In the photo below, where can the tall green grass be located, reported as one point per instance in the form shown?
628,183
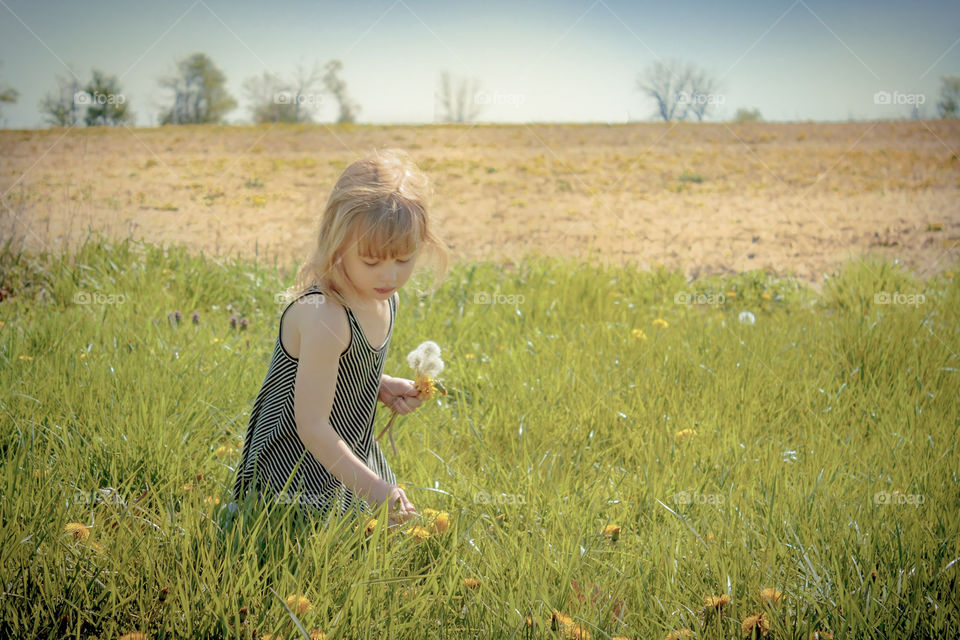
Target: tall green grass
812,452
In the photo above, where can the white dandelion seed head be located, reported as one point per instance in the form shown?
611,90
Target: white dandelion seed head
425,359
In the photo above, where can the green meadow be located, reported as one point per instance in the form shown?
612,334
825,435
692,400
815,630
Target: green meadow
619,453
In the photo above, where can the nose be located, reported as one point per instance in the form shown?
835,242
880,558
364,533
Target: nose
393,274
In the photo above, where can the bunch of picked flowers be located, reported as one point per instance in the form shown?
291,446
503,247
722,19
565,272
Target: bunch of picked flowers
427,364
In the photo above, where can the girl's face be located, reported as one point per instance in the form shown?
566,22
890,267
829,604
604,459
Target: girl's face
377,279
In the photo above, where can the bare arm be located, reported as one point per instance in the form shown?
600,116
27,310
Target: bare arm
324,334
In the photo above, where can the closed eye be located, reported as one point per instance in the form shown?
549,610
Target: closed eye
376,262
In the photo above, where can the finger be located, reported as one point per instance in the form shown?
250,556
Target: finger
405,501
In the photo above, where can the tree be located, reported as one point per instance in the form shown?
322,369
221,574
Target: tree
461,104
680,89
275,100
703,92
747,115
949,103
106,104
8,95
338,89
667,83
60,108
199,94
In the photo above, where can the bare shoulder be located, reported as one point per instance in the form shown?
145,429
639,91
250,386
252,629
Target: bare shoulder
321,324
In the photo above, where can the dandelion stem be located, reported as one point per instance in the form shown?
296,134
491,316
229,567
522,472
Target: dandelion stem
389,424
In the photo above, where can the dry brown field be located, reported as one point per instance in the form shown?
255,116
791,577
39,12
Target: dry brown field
707,198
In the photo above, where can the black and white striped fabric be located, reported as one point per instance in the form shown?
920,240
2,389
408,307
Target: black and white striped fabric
274,461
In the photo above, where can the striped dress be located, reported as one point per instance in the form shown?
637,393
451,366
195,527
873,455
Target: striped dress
273,453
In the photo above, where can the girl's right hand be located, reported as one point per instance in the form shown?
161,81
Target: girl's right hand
400,508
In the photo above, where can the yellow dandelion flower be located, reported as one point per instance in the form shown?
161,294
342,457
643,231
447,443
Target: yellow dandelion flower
371,526
620,638
771,595
731,294
427,387
560,619
222,449
715,602
469,356
472,583
316,634
639,335
766,296
96,546
133,635
660,322
565,625
612,530
577,632
685,434
2,323
420,533
78,529
186,486
298,604
409,592
430,513
271,636
214,500
949,276
26,357
678,634
820,634
442,523
528,620
756,625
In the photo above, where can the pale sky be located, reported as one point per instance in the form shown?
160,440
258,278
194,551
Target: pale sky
538,61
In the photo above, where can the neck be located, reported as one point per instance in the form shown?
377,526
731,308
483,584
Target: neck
366,305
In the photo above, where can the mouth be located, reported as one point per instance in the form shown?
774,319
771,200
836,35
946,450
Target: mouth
388,290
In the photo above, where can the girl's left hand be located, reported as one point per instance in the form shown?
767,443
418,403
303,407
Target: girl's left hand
399,394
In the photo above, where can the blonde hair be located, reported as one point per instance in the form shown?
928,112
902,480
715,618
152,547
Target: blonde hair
380,202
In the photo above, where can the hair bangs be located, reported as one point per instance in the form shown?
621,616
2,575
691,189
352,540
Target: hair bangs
393,229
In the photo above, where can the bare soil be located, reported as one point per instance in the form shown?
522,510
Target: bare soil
792,199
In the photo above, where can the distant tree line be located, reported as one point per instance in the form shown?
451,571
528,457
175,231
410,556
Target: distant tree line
198,95
681,90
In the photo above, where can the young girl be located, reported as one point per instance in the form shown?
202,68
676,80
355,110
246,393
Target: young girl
310,435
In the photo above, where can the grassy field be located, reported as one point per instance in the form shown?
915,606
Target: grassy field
621,453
